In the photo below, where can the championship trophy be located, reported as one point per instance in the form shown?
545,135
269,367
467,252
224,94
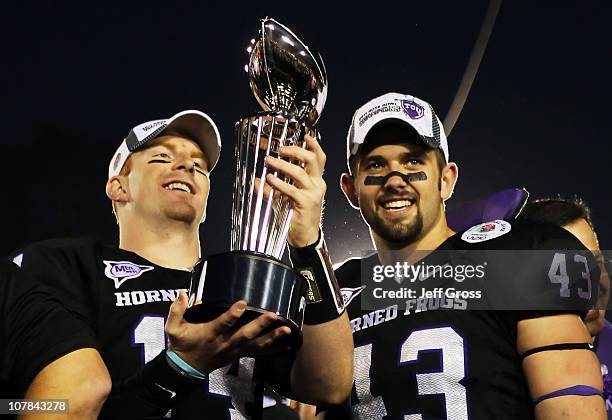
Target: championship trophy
290,83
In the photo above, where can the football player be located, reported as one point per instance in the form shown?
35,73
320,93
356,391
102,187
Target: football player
158,182
427,363
575,216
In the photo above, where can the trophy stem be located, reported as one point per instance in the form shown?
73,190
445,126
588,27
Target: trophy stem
237,208
278,215
260,190
252,180
236,194
264,225
258,227
280,244
285,212
282,204
255,228
245,202
265,233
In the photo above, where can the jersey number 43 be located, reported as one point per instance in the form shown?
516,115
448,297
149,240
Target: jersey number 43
446,382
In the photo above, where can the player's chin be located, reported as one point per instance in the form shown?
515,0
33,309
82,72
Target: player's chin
182,212
399,232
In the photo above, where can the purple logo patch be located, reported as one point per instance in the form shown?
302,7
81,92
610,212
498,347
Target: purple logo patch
121,271
414,110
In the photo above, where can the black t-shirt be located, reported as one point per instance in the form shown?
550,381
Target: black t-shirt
447,364
35,329
123,301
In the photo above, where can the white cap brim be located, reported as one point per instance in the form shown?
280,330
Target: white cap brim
193,124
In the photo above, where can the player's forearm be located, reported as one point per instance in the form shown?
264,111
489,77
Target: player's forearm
572,407
85,400
323,369
79,377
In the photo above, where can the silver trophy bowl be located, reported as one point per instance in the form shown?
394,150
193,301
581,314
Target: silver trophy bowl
289,82
285,75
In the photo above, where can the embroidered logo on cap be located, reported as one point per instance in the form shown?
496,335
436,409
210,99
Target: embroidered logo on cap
414,110
486,231
121,271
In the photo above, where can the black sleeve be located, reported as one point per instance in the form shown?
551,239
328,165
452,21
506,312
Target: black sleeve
64,268
566,272
36,328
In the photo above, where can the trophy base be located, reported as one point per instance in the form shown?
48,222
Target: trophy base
266,284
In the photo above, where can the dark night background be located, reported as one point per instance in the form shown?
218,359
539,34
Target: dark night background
77,77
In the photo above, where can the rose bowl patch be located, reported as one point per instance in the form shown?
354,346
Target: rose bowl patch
486,231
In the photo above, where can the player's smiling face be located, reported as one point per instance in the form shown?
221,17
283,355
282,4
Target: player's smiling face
170,179
397,211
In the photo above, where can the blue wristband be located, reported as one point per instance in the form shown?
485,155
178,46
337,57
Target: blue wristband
183,365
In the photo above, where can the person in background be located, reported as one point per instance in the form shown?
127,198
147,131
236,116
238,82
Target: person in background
574,215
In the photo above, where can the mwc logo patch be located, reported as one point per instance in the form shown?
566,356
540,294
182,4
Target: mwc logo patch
122,271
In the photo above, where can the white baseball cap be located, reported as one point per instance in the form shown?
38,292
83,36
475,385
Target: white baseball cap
411,110
196,125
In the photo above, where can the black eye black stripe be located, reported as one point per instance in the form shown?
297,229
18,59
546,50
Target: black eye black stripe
197,169
381,180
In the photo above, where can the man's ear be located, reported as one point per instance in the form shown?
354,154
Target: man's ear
347,183
448,179
116,190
